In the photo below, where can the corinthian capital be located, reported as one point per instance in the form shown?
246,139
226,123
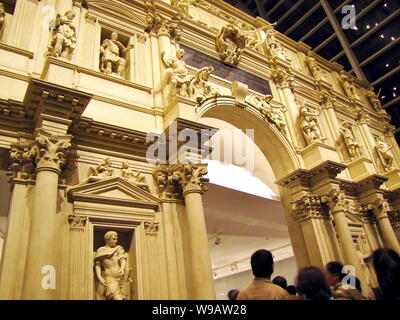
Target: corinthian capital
381,208
336,200
52,151
22,158
307,207
190,177
163,176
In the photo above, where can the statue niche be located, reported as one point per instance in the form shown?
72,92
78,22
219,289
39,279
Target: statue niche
113,56
112,271
384,153
309,125
353,146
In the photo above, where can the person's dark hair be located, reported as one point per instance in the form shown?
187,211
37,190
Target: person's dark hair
335,268
280,281
262,263
291,290
358,285
311,283
387,268
232,294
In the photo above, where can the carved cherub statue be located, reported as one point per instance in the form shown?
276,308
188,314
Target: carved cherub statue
2,16
384,153
63,36
113,56
272,113
110,264
353,146
309,125
178,76
100,172
133,176
200,89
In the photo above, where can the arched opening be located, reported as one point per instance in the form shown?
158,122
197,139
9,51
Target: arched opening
245,211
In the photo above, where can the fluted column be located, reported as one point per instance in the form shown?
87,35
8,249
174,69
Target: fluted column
381,209
41,265
77,258
193,185
337,203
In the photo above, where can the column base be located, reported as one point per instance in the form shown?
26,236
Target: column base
360,168
394,179
317,153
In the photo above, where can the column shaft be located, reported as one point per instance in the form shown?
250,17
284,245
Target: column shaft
42,244
388,236
203,283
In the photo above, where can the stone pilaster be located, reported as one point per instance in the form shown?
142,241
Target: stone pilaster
77,258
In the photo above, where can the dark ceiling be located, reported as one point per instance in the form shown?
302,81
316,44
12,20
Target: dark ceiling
369,51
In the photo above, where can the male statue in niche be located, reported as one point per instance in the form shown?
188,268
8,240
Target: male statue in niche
63,37
110,263
113,56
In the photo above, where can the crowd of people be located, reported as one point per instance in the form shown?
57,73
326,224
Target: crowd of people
312,283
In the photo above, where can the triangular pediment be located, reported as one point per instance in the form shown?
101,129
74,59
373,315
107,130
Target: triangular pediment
117,191
353,218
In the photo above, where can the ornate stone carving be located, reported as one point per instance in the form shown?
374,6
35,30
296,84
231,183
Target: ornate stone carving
270,42
160,25
101,172
63,36
252,38
336,199
183,6
309,124
373,98
348,85
190,177
273,114
151,227
384,153
113,56
133,176
77,221
111,272
307,207
2,16
169,188
178,76
52,151
353,146
313,66
200,89
381,208
394,217
326,99
230,44
22,161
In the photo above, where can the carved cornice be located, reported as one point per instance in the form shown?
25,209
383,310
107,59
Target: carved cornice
329,168
308,207
88,131
76,221
43,97
300,177
373,182
151,227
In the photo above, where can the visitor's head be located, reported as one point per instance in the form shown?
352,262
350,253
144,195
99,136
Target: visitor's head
232,294
291,290
262,263
312,285
333,271
280,281
387,268
111,238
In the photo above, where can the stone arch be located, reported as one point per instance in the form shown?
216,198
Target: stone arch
275,146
